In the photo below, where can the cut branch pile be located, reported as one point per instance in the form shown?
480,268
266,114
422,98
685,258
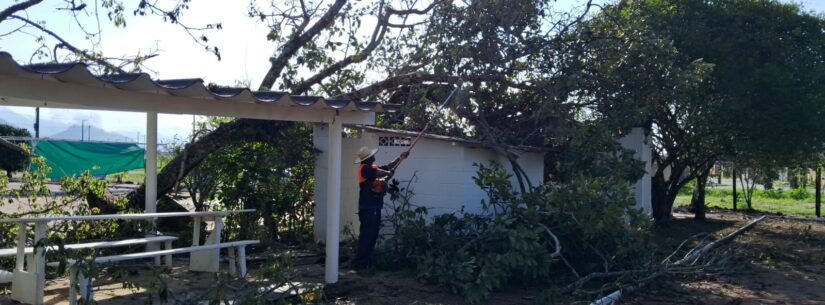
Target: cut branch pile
696,259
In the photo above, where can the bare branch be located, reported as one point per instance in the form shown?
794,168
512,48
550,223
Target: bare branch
377,37
419,77
296,42
416,11
404,25
71,47
6,13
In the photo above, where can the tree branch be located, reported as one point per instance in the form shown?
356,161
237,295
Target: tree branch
416,11
71,47
6,13
296,42
419,77
377,37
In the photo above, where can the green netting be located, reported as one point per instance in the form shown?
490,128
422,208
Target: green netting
72,158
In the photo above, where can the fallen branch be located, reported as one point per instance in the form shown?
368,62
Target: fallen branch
689,259
711,246
609,299
555,241
802,219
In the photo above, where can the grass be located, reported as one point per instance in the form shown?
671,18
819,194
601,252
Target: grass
771,203
135,176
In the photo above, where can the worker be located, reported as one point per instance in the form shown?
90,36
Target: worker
372,188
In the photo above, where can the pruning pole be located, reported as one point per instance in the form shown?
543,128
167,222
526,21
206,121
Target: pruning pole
427,126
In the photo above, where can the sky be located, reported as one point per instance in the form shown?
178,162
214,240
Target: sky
244,51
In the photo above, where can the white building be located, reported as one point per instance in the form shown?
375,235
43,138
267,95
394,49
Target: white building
639,142
443,169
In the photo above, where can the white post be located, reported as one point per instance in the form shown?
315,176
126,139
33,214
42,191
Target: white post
39,262
21,247
168,246
151,181
151,162
333,203
196,231
242,261
232,260
72,288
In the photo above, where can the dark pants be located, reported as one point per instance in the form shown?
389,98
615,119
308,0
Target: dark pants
368,235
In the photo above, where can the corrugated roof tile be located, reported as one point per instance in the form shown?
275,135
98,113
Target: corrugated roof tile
194,87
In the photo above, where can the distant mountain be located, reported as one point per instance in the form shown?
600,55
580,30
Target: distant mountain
92,134
58,130
47,128
12,118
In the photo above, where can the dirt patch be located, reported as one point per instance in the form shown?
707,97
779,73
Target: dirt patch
777,262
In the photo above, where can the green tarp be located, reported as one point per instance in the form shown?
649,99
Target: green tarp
72,158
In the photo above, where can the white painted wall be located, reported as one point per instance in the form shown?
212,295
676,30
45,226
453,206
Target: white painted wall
640,144
444,171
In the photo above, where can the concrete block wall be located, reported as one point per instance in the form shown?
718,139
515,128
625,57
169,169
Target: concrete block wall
443,175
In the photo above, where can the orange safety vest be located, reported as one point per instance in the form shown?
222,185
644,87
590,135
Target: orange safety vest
378,185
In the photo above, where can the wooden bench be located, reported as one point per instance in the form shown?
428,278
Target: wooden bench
29,276
79,281
98,245
7,277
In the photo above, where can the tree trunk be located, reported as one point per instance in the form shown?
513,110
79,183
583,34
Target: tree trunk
793,179
697,202
733,176
269,223
818,185
664,192
661,206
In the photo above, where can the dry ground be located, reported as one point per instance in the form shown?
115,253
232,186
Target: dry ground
778,262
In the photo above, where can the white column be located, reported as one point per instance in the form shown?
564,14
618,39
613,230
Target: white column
151,181
333,203
151,162
39,267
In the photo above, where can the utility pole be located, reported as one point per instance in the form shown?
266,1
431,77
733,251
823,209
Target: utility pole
37,122
82,130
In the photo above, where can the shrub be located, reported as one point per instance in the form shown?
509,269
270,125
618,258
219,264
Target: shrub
715,192
476,254
798,193
687,189
773,194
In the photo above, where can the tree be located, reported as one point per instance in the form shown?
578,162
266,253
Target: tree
642,76
757,91
12,157
273,176
514,71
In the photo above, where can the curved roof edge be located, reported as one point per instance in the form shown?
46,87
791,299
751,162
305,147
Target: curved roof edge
79,73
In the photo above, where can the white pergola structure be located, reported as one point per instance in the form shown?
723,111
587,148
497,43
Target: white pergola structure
73,86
